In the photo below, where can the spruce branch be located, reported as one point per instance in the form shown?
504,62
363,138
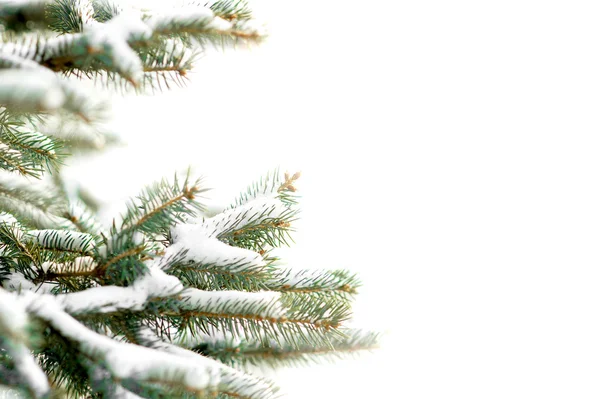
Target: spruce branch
237,275
202,24
256,225
314,281
161,205
82,217
231,9
63,240
273,184
33,152
70,16
295,320
105,10
92,312
241,353
35,204
14,323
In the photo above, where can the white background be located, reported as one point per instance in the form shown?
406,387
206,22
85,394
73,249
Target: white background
449,153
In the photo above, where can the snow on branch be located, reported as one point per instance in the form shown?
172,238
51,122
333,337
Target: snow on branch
97,38
30,91
13,325
241,352
64,240
196,20
191,240
253,213
159,363
68,16
39,90
162,204
124,360
28,369
290,280
13,315
32,153
34,203
108,299
241,383
267,186
265,304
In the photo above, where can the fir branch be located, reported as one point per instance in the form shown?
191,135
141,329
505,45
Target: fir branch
123,266
298,321
35,150
78,135
83,218
105,10
314,281
203,25
161,205
63,240
83,266
242,353
15,61
273,184
258,225
28,91
200,248
231,9
69,16
236,275
12,161
130,362
14,323
235,383
29,373
36,204
36,91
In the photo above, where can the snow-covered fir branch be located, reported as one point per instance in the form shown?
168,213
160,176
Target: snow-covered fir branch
167,301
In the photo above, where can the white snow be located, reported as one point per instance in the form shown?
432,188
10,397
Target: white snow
63,239
111,38
242,383
7,218
254,211
16,282
80,263
28,368
183,15
252,27
125,360
219,24
30,91
158,284
234,301
108,299
104,299
210,251
13,314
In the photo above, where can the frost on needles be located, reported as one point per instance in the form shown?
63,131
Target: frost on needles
167,301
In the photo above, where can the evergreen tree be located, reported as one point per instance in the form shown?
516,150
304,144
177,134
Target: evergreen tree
169,301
